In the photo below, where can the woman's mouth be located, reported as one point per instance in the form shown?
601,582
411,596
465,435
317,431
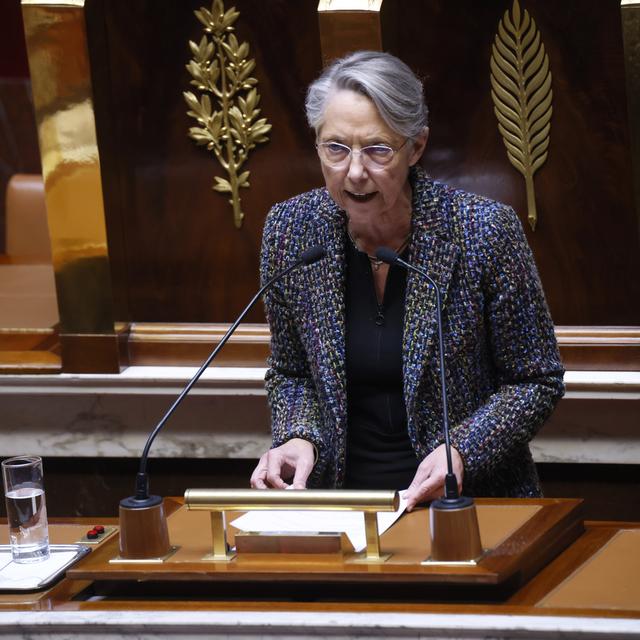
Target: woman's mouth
361,197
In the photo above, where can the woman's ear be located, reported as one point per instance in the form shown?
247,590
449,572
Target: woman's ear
418,147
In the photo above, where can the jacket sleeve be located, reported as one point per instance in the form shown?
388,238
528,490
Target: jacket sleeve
523,349
290,387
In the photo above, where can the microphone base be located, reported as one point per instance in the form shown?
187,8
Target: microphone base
140,503
143,529
455,535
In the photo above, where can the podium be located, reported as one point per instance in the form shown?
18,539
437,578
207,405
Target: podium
547,574
520,538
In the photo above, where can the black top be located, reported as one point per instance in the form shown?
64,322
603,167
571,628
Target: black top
379,452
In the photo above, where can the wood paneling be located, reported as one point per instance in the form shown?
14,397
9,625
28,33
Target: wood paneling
599,348
19,151
28,339
94,486
631,35
581,348
29,362
345,31
91,353
13,50
29,351
586,244
176,255
609,490
190,344
18,137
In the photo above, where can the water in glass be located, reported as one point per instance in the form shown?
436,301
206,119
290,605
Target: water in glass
28,531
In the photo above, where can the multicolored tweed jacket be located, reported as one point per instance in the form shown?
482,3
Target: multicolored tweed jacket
503,369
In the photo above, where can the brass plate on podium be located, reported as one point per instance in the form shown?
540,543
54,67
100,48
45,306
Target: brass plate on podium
521,537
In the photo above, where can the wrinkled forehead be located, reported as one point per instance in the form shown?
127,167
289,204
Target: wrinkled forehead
350,116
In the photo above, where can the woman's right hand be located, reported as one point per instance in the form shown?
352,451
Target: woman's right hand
288,464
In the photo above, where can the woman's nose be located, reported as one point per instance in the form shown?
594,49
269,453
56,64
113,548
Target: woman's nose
356,168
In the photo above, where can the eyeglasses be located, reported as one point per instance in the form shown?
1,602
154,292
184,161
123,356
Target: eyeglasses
374,156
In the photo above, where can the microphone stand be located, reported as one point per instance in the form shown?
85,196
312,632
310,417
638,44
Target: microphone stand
143,524
455,535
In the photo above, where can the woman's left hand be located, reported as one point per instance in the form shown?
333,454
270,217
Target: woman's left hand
428,483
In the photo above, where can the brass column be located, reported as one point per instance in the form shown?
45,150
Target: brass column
56,39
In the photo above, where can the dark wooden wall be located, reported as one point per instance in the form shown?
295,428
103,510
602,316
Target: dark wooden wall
95,486
175,255
587,242
18,136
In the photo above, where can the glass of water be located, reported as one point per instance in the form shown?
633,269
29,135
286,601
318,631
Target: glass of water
26,509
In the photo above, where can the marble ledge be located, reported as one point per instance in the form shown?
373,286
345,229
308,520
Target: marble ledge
142,381
250,381
245,625
226,416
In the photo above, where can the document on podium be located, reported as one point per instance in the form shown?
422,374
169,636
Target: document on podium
349,522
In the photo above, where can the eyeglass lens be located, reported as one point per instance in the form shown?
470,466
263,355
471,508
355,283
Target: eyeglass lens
336,153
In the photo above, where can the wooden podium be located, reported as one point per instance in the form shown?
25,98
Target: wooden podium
520,537
544,570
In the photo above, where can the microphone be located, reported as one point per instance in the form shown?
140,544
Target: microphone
141,497
142,500
391,257
460,527
310,256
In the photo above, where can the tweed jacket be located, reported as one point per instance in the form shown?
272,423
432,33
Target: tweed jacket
503,369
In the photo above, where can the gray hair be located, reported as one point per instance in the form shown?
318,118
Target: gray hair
387,81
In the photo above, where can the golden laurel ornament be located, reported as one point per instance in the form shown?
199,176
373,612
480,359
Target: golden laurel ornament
522,96
221,71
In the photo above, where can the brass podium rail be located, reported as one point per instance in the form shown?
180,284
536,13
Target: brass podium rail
217,501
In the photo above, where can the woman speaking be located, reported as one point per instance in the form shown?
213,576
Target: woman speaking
353,380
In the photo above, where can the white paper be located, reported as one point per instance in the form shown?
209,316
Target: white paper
349,522
24,576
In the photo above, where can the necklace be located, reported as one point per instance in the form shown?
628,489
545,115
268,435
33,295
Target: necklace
376,263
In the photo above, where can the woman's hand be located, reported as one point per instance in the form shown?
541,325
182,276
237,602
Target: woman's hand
294,459
428,483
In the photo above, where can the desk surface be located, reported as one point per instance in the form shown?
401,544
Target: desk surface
591,588
520,537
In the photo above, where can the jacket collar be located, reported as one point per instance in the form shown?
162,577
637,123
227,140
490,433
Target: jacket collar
428,212
432,251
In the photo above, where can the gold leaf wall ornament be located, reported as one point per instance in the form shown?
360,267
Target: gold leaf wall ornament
522,96
226,109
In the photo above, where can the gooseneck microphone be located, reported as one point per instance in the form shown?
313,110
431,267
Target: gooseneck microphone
141,498
455,534
391,257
